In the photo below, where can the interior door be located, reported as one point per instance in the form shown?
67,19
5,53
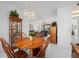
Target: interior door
53,33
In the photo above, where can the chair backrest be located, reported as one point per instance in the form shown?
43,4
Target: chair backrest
21,35
43,49
7,49
24,35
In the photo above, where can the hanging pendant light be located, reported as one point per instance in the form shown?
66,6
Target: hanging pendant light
30,14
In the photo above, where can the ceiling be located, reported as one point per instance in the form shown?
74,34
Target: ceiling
41,4
42,8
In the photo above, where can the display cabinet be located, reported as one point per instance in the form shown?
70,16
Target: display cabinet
15,29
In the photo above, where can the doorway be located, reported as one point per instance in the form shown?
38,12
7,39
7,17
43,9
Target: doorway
53,33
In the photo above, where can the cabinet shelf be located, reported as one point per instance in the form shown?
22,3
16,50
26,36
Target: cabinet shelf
15,26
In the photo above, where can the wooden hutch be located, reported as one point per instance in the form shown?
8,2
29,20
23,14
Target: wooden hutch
15,29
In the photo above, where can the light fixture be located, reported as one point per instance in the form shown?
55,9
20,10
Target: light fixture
30,14
75,15
76,12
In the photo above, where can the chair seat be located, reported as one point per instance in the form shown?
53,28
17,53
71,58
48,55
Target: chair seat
9,51
36,51
21,54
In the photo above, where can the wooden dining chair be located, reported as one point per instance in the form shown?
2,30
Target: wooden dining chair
22,36
40,52
10,53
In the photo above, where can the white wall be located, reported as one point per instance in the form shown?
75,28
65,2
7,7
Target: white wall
64,29
75,37
76,22
64,26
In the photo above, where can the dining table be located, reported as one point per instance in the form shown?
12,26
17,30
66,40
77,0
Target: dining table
29,44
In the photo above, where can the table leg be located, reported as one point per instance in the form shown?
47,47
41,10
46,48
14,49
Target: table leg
31,53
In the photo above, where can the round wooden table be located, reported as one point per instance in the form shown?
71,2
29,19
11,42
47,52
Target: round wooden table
29,44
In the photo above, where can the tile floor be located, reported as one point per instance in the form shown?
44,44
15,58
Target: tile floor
55,51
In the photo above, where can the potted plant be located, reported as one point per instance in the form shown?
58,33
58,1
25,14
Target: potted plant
13,14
